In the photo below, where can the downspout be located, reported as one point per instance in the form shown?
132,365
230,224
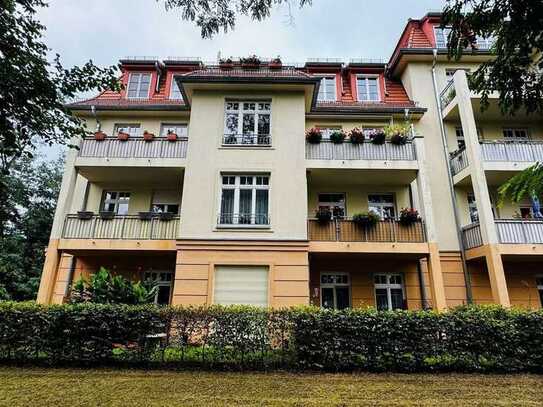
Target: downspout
467,276
98,123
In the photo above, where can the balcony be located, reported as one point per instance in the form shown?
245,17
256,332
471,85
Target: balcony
510,231
246,140
326,150
120,227
345,230
447,95
112,147
243,220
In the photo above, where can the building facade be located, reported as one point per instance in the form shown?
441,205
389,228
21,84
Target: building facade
200,177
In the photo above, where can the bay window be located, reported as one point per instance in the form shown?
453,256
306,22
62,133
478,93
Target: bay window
247,123
368,88
389,292
138,85
244,200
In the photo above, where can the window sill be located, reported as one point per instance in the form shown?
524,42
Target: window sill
243,228
245,147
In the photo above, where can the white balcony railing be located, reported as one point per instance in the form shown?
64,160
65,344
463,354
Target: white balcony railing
459,161
120,227
447,94
510,231
326,150
134,148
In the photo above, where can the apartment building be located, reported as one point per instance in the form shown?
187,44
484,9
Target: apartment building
200,178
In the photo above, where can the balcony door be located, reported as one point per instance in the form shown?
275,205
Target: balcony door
335,290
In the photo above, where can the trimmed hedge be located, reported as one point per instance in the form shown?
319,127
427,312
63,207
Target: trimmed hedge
484,339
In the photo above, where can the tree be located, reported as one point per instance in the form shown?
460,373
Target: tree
26,217
516,69
34,90
527,184
213,15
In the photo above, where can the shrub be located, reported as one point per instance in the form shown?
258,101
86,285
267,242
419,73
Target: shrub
357,136
408,216
377,136
398,133
323,215
366,219
313,136
337,137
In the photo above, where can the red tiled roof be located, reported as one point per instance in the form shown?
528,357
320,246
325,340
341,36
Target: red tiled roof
235,72
416,37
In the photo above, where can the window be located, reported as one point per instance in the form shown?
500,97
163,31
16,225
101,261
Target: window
335,203
163,281
539,284
442,36
116,202
485,43
247,122
131,128
368,88
138,85
180,129
389,292
472,207
327,89
515,134
166,208
460,140
245,285
335,290
175,92
327,131
244,200
383,205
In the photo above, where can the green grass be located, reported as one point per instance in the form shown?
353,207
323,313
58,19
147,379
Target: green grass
106,387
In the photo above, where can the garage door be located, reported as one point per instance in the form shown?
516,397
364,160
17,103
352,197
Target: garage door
246,285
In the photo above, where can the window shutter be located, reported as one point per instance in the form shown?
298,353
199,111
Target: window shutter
246,285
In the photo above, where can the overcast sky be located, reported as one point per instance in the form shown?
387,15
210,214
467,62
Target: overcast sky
106,30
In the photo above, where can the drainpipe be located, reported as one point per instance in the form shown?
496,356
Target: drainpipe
467,276
98,123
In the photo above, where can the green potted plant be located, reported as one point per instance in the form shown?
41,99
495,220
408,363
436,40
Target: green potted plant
408,216
123,135
398,133
366,219
313,136
227,63
357,136
251,62
377,136
323,215
100,135
276,63
171,136
337,137
148,136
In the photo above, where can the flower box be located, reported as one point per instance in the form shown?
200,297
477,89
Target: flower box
85,215
100,136
123,136
313,136
408,216
378,137
107,215
226,64
275,63
148,136
171,136
252,62
323,215
337,137
366,219
357,136
165,216
146,215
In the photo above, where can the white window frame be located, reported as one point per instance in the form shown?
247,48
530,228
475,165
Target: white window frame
383,204
514,136
138,88
134,129
237,187
388,286
334,285
173,85
365,77
330,204
445,31
326,77
249,139
164,127
159,282
116,201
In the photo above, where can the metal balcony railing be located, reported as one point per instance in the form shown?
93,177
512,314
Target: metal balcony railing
120,227
447,94
243,219
134,147
345,230
247,140
510,231
472,235
459,161
326,150
512,150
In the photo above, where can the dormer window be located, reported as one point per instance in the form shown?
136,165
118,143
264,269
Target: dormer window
327,89
175,92
442,36
138,85
368,88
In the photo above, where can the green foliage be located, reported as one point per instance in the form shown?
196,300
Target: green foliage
484,339
313,136
527,184
338,137
515,71
366,219
212,16
105,288
401,129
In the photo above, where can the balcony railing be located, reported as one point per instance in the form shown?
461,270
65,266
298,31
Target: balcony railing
345,230
246,140
243,219
447,94
160,147
120,227
510,231
512,150
326,150
459,161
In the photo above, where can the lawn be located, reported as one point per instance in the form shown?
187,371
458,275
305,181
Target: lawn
71,387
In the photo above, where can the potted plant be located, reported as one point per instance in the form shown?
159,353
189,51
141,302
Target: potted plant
313,136
357,136
100,135
148,136
106,215
366,219
251,62
323,215
85,215
227,63
408,216
145,215
337,137
165,216
398,133
122,135
171,136
276,63
377,136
